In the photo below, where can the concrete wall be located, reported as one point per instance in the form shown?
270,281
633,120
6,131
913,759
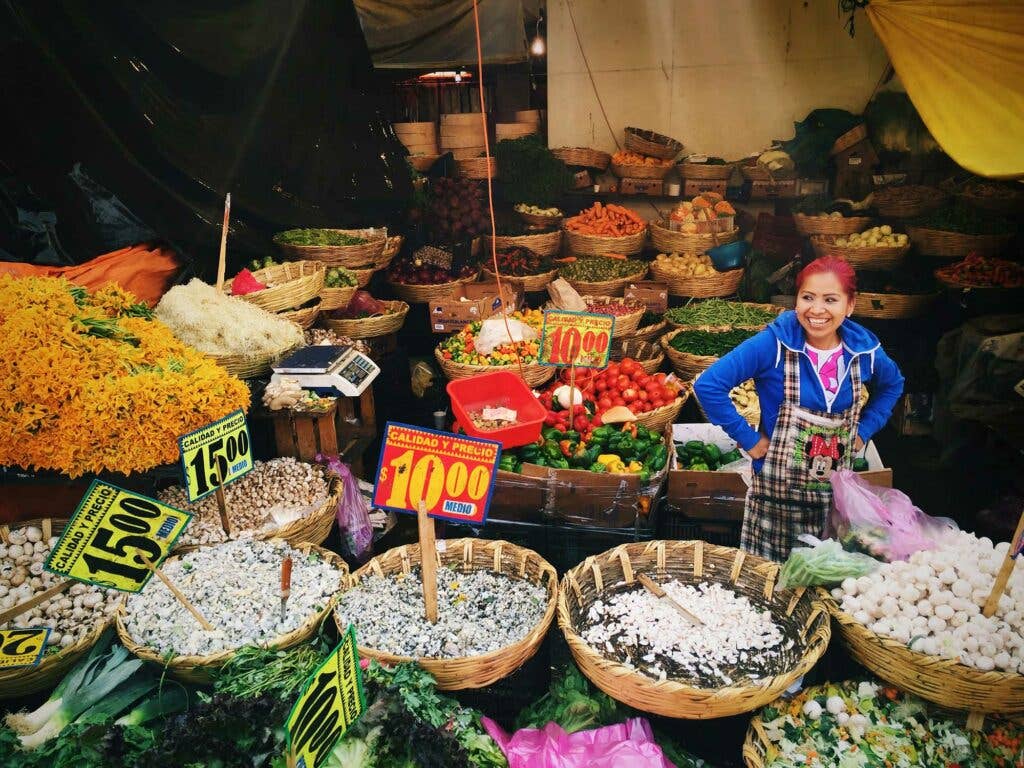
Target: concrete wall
725,77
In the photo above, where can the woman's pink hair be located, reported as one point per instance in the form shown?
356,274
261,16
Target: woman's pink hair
839,267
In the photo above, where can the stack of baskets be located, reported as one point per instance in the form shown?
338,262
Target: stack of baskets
374,254
683,243
649,144
477,167
421,141
371,327
423,294
295,283
907,202
463,134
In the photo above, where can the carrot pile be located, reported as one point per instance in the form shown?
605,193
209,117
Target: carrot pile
607,221
625,157
983,272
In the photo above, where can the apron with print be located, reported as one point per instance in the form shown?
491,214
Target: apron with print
792,494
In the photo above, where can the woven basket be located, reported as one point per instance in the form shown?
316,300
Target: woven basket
955,245
422,163
640,171
423,294
336,298
689,562
651,143
250,366
872,258
614,287
24,681
597,245
683,243
648,354
370,253
775,308
703,287
686,366
297,283
477,167
540,221
660,418
944,681
649,332
907,202
1005,205
370,327
472,555
304,318
705,172
583,157
534,374
528,284
760,173
199,670
543,244
892,306
625,325
830,225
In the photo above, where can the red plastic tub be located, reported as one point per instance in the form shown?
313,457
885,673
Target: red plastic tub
498,389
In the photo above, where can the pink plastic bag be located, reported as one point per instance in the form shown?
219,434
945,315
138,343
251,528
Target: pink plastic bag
625,745
883,522
353,512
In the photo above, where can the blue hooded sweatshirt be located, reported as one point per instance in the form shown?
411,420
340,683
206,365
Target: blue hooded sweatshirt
762,359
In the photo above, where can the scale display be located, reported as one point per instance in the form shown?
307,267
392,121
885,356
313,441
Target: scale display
339,367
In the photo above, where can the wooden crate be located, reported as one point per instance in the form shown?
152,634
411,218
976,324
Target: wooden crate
347,428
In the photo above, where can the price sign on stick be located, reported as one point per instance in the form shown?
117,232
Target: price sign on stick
452,475
579,339
22,647
112,536
215,455
330,702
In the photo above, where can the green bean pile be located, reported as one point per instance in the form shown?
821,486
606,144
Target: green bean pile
316,237
719,312
596,269
709,343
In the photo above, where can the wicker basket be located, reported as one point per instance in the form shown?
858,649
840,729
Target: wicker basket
304,318
892,306
534,374
370,327
422,163
1004,205
872,257
370,253
705,172
648,354
582,157
944,681
690,562
199,670
472,555
686,366
598,245
24,681
660,418
651,143
955,245
760,173
650,332
527,284
625,325
640,171
703,287
830,225
297,283
250,366
336,298
683,243
477,167
907,202
537,220
423,294
543,244
614,287
774,308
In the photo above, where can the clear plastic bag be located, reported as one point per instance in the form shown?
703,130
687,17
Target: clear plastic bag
493,333
822,563
353,512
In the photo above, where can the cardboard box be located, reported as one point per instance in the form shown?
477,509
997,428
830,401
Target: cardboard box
468,302
650,293
652,187
766,190
694,187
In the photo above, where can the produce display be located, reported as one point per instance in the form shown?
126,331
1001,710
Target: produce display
339,277
708,212
858,724
285,393
316,237
964,219
977,271
235,586
274,493
626,157
597,269
536,210
709,343
688,265
56,337
408,272
618,309
457,210
327,336
72,615
530,172
492,417
361,305
720,312
875,237
896,281
522,262
478,612
698,456
607,221
622,383
461,347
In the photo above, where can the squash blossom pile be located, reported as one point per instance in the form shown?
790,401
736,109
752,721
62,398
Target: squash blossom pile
89,382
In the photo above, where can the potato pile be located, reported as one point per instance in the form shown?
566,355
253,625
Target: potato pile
690,265
536,210
876,237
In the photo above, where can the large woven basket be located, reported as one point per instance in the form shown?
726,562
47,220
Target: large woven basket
370,327
370,253
667,241
892,306
614,287
650,332
705,172
625,325
690,562
1005,205
527,284
944,681
250,366
650,143
534,374
583,157
649,354
774,308
598,245
24,681
703,287
543,243
296,283
830,225
477,167
686,366
422,294
199,670
907,202
660,418
304,318
761,173
640,171
537,220
472,555
336,298
955,245
871,257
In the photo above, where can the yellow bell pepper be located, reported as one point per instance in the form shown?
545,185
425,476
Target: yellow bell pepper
634,466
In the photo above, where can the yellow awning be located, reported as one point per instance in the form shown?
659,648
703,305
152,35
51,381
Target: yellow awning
962,63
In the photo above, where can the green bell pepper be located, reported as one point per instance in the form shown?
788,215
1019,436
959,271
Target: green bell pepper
645,476
712,453
598,467
560,463
529,452
699,466
552,451
860,464
604,432
657,458
731,456
550,433
507,462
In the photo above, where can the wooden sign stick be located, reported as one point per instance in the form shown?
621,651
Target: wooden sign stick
177,593
428,561
222,504
1004,573
32,602
223,243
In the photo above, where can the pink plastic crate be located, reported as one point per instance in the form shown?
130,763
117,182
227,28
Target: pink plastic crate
498,389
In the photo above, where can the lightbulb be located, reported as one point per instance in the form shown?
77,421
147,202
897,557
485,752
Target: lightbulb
458,77
537,47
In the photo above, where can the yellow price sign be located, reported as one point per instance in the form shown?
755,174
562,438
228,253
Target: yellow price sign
111,535
215,455
582,339
331,701
22,647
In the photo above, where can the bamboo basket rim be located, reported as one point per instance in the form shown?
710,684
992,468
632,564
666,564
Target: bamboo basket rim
542,243
198,668
598,245
871,257
534,373
661,417
403,558
304,318
899,305
583,157
671,697
293,292
777,309
668,241
808,225
649,332
373,252
684,362
421,294
250,366
371,327
648,142
526,283
757,172
477,167
706,172
700,287
606,287
537,219
336,298
640,171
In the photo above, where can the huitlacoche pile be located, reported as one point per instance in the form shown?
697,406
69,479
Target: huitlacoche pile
236,587
478,612
70,615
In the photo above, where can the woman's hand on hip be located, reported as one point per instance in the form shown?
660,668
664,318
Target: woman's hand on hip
760,448
858,445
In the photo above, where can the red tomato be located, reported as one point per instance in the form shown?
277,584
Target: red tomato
612,370
657,402
604,403
618,401
668,394
600,385
660,377
642,395
627,366
623,382
629,394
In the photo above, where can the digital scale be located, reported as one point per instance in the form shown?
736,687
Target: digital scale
325,368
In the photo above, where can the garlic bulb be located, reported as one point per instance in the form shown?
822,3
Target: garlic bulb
282,393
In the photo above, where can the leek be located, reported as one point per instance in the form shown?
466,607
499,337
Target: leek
160,704
119,699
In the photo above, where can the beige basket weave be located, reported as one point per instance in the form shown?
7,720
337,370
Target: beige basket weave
760,173
468,555
640,171
907,202
648,354
543,244
527,284
540,221
370,253
371,327
683,243
686,366
625,325
829,225
650,143
892,306
705,172
477,167
250,366
690,562
296,283
423,294
304,318
614,287
703,287
534,374
773,308
955,245
650,332
660,418
1004,205
364,275
597,245
336,298
199,670
583,157
871,258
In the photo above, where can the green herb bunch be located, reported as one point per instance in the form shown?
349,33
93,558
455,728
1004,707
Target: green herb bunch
530,173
